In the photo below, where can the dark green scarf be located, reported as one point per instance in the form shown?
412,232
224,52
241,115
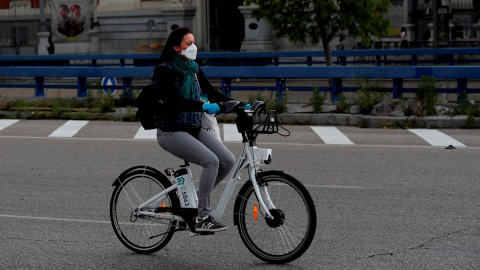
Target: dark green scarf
188,69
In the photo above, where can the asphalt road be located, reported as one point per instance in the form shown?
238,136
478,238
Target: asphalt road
388,201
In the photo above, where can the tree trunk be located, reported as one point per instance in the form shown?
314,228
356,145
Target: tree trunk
326,48
327,52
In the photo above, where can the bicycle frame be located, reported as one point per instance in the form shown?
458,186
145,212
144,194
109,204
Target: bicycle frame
246,159
250,157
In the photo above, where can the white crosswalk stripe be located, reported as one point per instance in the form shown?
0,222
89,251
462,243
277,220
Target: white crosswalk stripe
331,135
4,123
142,134
230,133
69,129
436,138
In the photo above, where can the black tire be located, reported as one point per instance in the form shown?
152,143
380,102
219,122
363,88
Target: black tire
289,235
135,186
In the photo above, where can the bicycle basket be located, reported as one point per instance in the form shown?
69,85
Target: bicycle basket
269,125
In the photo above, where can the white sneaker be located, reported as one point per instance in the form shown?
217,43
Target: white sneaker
209,225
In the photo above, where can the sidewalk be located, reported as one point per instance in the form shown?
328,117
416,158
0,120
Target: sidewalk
330,119
296,116
368,121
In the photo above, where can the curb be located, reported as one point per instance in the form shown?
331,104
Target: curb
330,119
379,121
368,121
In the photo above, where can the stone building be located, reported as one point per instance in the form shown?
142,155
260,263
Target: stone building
142,26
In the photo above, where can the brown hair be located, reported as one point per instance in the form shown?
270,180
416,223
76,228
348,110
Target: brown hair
174,39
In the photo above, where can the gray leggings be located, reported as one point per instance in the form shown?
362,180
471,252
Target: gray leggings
205,150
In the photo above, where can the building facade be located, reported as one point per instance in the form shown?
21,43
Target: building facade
142,26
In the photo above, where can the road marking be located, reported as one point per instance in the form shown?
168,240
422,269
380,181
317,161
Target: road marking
331,135
231,136
436,138
149,134
69,129
230,133
55,219
342,187
4,123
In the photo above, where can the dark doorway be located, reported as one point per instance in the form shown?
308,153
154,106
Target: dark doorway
225,25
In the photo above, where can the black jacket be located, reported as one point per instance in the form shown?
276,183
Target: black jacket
165,79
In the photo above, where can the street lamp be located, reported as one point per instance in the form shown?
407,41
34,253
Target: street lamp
151,24
435,23
43,25
17,49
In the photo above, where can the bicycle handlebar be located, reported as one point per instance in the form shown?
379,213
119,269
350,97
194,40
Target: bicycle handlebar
234,106
245,118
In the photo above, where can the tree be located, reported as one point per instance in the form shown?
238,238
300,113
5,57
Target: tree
322,20
476,7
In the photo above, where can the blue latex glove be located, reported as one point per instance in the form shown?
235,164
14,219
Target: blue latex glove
247,107
211,108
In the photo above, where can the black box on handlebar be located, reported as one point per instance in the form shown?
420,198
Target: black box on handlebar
244,120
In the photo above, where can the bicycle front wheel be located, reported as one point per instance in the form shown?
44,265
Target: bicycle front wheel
142,234
289,234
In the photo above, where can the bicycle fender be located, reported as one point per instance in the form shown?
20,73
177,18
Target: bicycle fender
145,168
244,189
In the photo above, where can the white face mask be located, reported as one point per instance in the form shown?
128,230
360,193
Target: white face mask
190,52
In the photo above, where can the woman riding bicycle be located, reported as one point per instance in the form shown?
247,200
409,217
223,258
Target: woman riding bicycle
184,92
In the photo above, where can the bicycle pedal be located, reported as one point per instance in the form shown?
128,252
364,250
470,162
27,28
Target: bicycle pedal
207,233
192,234
182,226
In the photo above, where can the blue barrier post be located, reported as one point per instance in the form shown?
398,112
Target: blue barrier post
309,61
39,86
275,61
336,88
280,89
397,88
461,86
227,86
82,87
127,87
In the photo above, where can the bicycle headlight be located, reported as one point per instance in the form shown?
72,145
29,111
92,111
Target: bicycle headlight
262,154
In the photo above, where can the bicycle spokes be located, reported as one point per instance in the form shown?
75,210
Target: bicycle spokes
287,230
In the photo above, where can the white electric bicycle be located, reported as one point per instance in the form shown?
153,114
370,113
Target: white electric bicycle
274,212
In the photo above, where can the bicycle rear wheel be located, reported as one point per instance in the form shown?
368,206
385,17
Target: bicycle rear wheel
141,234
290,233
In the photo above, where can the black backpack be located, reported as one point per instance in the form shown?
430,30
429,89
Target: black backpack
148,105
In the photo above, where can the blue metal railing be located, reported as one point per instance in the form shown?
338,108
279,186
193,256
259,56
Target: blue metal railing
398,74
273,58
280,66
